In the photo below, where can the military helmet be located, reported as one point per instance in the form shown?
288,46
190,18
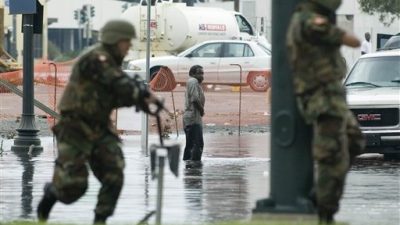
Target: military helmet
332,5
116,30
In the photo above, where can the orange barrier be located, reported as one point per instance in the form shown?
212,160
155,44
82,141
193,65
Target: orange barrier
259,80
164,80
53,73
14,77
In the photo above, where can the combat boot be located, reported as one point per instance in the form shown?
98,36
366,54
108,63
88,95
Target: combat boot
99,219
325,218
47,202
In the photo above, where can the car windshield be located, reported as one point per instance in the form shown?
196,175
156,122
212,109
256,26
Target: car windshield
265,49
375,72
189,50
392,43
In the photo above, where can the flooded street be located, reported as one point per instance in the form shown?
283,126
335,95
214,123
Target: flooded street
233,175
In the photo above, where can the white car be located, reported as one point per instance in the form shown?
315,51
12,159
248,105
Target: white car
220,60
373,94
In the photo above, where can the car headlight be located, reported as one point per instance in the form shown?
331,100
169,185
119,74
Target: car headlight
134,67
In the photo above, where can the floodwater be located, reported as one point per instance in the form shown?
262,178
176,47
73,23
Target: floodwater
233,175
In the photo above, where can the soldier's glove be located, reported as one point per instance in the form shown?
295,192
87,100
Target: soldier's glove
159,105
142,92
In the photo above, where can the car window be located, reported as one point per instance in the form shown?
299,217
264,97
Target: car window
379,71
237,50
248,52
208,50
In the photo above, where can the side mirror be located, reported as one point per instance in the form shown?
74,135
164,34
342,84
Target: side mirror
190,55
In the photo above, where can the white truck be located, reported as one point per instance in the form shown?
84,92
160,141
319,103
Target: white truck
175,27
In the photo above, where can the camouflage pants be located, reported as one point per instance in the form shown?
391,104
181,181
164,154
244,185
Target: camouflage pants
76,153
337,139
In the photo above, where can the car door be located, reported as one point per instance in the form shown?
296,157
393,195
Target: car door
235,54
207,56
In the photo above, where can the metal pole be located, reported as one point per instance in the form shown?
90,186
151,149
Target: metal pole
27,131
55,95
145,117
176,122
161,161
55,90
291,174
14,52
240,94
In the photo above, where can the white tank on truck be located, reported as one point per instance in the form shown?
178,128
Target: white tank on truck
175,27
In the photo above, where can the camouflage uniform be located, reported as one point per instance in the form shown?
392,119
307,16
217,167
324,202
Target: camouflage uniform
85,137
84,134
313,43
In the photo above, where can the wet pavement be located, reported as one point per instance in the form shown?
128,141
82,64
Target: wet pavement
233,175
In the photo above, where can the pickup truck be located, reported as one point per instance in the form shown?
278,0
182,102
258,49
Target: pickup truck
373,95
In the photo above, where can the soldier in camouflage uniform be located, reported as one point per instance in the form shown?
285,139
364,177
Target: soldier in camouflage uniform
314,43
85,137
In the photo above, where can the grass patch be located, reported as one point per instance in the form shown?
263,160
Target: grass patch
220,223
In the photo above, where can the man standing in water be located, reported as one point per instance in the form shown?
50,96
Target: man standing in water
192,117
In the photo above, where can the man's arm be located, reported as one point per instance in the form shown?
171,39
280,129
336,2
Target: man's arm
193,89
319,30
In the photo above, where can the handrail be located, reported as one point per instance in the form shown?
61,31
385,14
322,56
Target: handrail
38,104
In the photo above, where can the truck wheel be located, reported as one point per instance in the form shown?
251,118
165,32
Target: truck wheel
258,80
162,79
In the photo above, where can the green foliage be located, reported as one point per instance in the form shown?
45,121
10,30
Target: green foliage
388,10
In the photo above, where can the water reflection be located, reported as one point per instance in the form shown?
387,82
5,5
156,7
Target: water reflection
27,161
226,180
225,187
193,188
217,189
372,193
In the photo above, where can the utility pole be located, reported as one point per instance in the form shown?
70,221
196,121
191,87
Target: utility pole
291,174
77,17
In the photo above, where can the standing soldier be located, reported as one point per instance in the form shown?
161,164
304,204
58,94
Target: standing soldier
313,42
192,117
84,132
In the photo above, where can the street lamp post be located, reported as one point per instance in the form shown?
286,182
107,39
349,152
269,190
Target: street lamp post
27,131
291,174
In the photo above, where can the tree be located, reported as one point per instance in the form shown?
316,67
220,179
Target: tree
388,10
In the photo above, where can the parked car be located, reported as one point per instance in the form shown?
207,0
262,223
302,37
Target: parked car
392,43
220,59
373,94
